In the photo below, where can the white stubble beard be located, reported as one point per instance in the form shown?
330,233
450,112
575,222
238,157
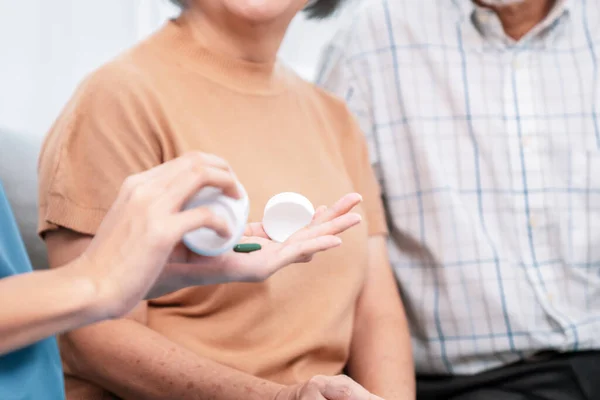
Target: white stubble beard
500,3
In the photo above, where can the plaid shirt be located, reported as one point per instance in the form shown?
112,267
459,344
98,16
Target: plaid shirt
488,153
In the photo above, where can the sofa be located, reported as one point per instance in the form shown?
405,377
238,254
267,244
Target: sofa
18,174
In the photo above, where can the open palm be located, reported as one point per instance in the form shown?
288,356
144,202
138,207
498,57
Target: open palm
319,236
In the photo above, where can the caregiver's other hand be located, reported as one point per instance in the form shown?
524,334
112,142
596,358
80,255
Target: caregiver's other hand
188,268
338,387
139,232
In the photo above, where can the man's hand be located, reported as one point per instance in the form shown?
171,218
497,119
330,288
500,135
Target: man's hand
188,268
327,388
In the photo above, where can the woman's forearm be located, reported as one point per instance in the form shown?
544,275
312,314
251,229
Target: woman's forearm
381,358
134,362
43,303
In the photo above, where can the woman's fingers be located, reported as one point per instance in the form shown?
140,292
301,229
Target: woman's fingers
319,212
334,227
341,207
323,214
304,250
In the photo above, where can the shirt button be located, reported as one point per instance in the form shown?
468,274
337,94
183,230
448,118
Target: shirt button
528,144
517,64
532,222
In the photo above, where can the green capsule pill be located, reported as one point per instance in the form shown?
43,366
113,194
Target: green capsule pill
247,248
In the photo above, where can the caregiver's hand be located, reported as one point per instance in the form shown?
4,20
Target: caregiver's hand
327,388
319,236
139,232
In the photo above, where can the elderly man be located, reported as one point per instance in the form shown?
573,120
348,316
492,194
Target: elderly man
483,120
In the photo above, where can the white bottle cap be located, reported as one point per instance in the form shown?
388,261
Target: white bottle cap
285,214
205,241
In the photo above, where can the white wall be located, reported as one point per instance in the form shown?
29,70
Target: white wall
45,49
305,40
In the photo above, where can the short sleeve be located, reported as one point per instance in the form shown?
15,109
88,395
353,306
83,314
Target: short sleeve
108,131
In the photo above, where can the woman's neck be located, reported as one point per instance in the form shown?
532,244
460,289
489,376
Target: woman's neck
236,39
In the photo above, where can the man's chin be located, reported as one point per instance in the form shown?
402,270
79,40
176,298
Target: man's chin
499,3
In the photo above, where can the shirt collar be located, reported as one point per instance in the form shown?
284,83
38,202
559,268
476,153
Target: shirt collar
481,16
469,9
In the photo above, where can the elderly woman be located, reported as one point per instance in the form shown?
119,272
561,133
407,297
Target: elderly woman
210,81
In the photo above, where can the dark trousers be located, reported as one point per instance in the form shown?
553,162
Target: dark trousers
549,376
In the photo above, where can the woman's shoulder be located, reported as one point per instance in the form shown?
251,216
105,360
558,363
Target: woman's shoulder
125,71
132,72
117,93
133,67
123,80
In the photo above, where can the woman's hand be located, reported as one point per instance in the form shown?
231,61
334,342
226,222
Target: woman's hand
187,268
143,229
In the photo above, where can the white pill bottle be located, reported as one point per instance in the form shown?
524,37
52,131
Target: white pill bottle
205,241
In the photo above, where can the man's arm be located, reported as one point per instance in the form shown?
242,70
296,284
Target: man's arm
381,354
135,362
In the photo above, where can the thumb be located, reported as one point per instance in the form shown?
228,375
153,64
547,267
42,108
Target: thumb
344,388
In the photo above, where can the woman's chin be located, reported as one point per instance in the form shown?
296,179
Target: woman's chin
264,11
